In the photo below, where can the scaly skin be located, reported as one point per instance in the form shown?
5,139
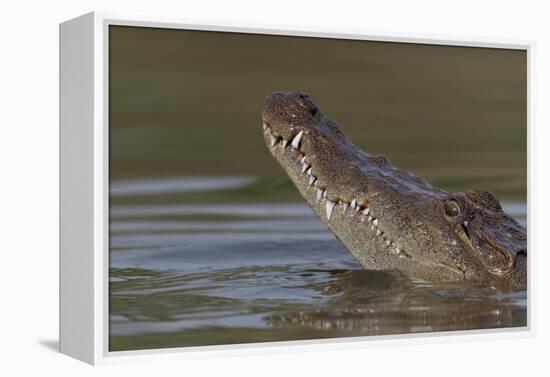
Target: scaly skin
390,219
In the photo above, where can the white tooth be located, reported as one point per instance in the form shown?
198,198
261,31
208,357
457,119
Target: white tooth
311,180
303,160
308,171
273,140
284,143
375,222
370,218
264,126
345,204
366,211
465,223
372,227
397,251
304,167
353,203
329,206
358,208
296,141
325,194
387,242
319,193
378,232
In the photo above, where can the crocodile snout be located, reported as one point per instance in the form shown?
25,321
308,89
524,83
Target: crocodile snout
284,112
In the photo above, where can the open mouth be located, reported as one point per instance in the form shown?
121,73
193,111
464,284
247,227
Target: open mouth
317,192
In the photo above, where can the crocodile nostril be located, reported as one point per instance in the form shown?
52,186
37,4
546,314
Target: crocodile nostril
313,111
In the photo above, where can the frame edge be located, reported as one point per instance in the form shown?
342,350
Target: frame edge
76,188
95,124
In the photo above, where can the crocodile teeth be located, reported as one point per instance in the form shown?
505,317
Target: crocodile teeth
311,180
264,126
308,171
328,207
284,143
319,193
353,203
387,242
305,167
375,222
303,160
357,209
345,204
296,141
369,218
325,194
273,140
397,251
378,232
366,211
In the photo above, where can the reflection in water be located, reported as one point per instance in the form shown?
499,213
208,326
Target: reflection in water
375,305
184,275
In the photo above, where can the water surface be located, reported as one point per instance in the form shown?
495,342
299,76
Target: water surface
187,274
210,241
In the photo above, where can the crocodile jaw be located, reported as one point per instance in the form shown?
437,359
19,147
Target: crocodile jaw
352,221
388,218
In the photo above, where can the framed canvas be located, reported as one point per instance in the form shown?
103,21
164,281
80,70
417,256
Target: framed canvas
235,188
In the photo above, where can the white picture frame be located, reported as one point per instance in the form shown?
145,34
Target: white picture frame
84,188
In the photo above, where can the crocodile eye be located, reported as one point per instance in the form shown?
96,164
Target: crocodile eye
452,208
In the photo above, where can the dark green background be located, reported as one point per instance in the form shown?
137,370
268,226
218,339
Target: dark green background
188,103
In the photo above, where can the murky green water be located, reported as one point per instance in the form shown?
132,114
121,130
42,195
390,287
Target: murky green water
210,242
202,274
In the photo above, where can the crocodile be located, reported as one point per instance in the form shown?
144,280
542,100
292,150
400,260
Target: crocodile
388,218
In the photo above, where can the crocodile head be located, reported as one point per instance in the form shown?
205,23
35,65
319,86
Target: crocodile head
389,218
